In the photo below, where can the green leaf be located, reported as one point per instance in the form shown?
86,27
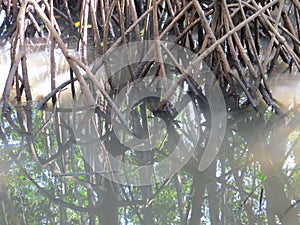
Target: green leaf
260,176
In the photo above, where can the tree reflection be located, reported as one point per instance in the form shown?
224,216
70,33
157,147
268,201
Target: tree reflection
254,180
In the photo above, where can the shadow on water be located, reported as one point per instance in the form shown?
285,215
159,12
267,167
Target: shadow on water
254,180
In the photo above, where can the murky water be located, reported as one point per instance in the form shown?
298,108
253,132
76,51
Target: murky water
254,180
38,62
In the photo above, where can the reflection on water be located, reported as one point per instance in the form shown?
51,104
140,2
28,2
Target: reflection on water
285,86
2,17
38,63
267,150
38,67
254,180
